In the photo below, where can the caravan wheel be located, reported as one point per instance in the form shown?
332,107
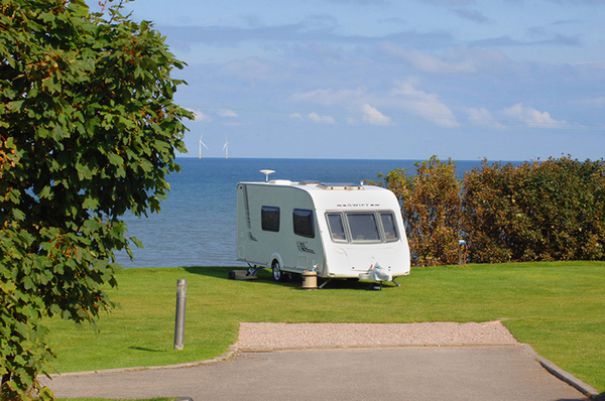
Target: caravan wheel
278,275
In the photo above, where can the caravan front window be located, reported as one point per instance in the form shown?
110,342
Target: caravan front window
337,228
389,226
363,227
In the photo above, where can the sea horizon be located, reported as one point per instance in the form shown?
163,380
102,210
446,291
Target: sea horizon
349,159
196,224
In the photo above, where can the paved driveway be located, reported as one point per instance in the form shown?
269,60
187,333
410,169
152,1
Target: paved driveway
487,373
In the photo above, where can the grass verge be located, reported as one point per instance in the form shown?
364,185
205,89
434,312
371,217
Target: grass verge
558,308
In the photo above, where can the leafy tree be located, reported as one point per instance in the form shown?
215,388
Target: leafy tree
88,131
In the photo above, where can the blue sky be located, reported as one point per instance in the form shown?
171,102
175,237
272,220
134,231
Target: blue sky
507,80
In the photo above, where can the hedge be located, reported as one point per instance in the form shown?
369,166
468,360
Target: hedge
542,210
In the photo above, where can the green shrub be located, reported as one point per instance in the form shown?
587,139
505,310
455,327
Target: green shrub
550,210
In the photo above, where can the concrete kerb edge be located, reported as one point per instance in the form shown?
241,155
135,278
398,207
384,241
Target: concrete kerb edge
369,347
568,378
231,353
563,375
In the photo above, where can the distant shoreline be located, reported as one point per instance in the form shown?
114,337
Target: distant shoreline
346,159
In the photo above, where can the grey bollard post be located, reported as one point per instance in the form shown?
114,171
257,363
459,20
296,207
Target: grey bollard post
179,321
461,252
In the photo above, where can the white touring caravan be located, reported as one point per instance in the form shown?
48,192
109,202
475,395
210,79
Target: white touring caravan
337,230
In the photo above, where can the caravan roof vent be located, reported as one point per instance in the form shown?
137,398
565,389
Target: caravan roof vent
340,185
280,182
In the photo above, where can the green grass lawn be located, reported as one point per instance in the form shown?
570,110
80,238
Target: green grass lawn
558,308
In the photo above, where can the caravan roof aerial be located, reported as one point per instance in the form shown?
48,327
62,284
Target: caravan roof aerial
267,173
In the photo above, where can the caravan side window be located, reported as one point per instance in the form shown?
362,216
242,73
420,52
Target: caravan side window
270,218
303,222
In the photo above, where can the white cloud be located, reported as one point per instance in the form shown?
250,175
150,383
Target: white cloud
372,115
426,105
198,116
319,119
429,63
313,117
482,117
532,117
330,97
404,96
227,113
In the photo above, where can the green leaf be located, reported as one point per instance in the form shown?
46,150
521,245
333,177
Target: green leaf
18,214
16,105
28,284
137,242
115,159
84,172
90,203
46,192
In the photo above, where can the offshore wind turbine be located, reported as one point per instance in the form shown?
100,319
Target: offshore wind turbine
226,148
200,144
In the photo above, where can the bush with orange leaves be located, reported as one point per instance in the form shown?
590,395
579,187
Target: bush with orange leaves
8,154
431,209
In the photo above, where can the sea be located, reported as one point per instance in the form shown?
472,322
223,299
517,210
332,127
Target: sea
196,224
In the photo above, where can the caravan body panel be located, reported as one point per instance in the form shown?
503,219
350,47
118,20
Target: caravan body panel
336,229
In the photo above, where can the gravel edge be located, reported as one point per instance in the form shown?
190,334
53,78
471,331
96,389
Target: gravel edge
288,336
